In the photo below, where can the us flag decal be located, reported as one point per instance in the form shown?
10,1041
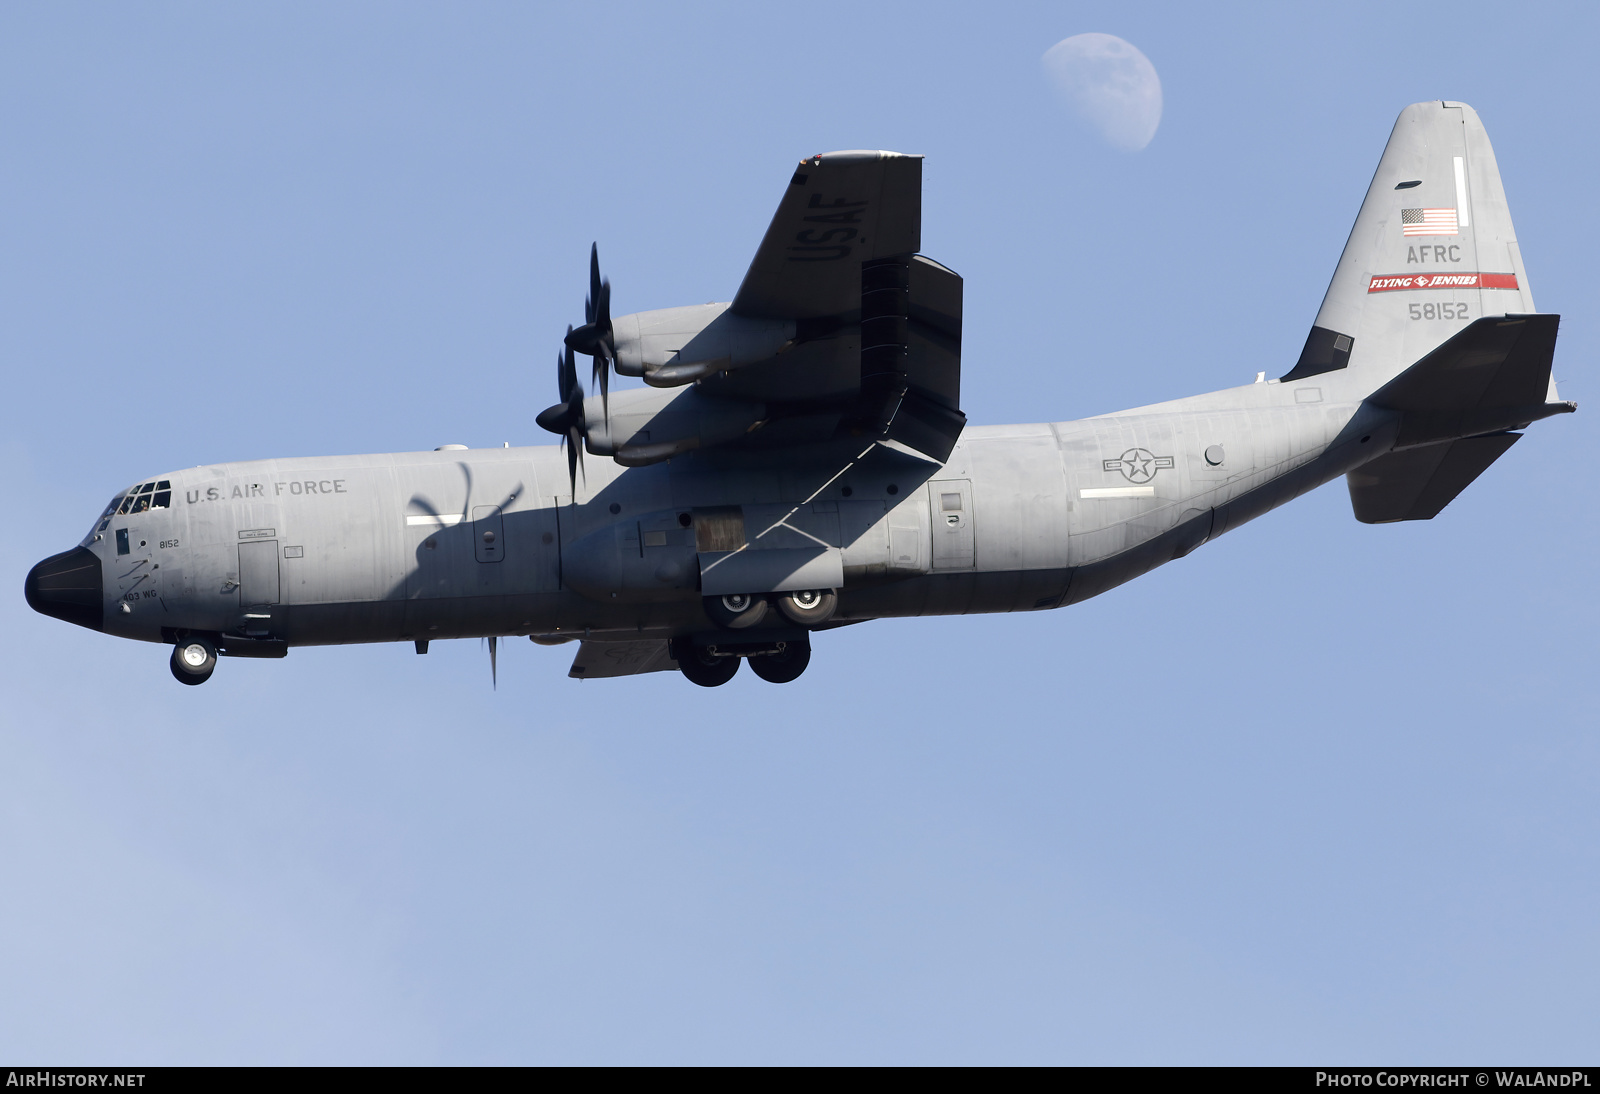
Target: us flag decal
1428,222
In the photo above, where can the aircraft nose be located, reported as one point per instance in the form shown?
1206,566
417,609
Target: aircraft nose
68,586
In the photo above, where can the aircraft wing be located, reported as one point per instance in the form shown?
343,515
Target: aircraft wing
877,325
839,210
839,330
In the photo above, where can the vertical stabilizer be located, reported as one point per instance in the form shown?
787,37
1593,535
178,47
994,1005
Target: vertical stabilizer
1432,250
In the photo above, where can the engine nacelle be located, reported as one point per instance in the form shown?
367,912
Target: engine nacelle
676,346
643,426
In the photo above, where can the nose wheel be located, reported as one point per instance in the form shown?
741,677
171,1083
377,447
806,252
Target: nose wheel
193,660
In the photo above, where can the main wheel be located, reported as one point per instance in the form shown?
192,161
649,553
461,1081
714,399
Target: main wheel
193,660
736,611
702,667
783,666
808,607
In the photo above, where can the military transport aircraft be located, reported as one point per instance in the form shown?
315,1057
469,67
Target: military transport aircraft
797,459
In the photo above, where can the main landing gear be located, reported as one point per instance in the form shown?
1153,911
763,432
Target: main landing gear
714,663
193,660
777,654
708,666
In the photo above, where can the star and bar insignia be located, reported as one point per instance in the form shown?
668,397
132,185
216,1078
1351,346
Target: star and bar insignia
1138,464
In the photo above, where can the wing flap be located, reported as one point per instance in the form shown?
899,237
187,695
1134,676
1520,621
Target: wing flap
933,328
603,660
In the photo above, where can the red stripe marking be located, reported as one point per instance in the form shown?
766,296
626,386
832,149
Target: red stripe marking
1398,282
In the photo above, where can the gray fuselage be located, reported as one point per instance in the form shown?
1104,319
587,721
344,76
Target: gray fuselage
472,542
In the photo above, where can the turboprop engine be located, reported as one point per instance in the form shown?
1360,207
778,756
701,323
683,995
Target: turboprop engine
671,347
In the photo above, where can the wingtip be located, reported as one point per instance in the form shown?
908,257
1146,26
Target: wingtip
861,155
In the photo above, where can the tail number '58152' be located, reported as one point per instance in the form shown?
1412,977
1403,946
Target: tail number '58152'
1438,311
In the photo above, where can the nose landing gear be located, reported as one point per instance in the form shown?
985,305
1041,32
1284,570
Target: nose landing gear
193,660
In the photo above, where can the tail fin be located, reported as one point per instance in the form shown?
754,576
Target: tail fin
1432,250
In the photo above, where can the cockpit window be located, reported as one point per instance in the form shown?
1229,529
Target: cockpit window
105,518
137,499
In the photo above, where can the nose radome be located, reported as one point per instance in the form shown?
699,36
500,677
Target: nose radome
68,586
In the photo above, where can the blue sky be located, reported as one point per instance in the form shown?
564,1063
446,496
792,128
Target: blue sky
1320,792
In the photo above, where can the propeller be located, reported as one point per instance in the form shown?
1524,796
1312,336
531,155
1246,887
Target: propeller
595,337
494,673
566,418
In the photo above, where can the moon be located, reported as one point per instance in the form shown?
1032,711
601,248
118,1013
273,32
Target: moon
1109,84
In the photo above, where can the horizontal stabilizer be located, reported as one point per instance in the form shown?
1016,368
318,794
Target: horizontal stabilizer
601,660
1490,377
1417,483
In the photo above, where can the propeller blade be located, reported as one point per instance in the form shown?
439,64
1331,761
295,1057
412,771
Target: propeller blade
601,375
566,371
592,303
568,413
596,337
494,671
574,445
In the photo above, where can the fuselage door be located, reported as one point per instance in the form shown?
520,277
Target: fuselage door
258,573
951,501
